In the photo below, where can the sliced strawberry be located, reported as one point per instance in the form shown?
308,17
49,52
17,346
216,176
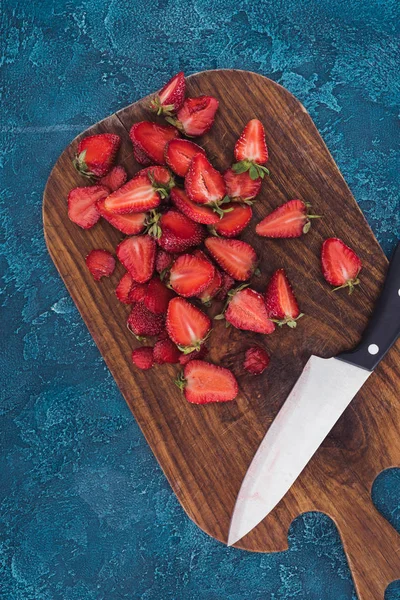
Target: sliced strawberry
163,262
142,322
187,325
143,357
171,97
157,296
82,208
190,275
178,232
179,154
140,156
237,258
136,196
240,187
115,178
128,224
165,351
123,288
287,221
100,263
203,382
137,293
256,360
236,217
204,184
251,151
340,264
152,138
196,115
160,177
196,212
195,355
280,300
137,254
246,310
227,284
212,289
96,153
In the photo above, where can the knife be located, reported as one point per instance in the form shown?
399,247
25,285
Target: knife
320,396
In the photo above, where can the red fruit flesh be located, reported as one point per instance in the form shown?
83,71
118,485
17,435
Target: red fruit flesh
287,221
280,300
152,138
240,187
340,264
203,183
179,233
237,258
137,293
195,355
137,254
197,115
190,275
165,351
130,224
246,310
100,263
82,208
143,357
96,153
256,360
251,144
115,178
187,325
227,284
157,296
212,289
235,218
159,176
163,261
123,288
196,212
142,322
205,382
171,97
179,154
136,196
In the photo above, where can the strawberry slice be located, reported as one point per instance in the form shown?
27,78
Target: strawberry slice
95,154
82,208
100,263
190,275
203,382
140,156
256,360
157,296
236,218
130,224
115,178
246,310
178,233
280,300
187,325
204,184
179,154
143,357
227,284
194,355
196,115
237,258
137,293
251,151
212,289
165,351
196,212
123,288
137,254
171,97
152,138
340,264
142,322
137,196
287,221
240,187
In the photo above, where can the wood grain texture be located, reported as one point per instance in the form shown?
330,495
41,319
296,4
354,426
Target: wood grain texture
205,451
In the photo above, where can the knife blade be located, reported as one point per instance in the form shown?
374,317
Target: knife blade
320,396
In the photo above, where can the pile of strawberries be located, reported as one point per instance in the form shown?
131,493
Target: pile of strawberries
182,218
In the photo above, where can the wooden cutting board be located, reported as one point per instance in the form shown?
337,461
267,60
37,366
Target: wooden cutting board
205,450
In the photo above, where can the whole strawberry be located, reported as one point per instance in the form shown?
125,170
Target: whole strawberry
96,154
143,357
142,322
256,360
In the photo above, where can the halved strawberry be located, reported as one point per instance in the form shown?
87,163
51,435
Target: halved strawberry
179,154
240,187
152,138
204,184
340,264
203,382
157,296
178,232
196,115
160,177
165,351
137,254
140,156
196,212
237,258
96,153
143,357
251,151
287,221
137,196
171,97
246,310
212,289
137,293
194,355
141,322
187,325
163,262
227,284
236,217
82,208
115,178
190,275
280,300
130,224
256,360
100,263
123,288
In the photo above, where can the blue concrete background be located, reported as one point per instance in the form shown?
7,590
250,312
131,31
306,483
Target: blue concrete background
86,513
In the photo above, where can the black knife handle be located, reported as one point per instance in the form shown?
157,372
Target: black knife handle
384,326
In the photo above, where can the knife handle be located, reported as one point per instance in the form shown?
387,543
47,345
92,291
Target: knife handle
384,326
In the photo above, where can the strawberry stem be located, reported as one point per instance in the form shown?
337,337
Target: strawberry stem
289,321
180,381
350,284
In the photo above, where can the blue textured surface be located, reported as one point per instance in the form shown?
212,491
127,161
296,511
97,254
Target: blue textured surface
86,513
